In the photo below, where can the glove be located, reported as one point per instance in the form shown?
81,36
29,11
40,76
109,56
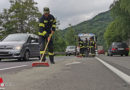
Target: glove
52,32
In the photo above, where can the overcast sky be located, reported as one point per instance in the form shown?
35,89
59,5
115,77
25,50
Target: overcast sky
70,11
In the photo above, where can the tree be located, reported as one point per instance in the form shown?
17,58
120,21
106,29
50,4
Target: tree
70,36
119,29
22,16
112,34
125,5
59,42
6,23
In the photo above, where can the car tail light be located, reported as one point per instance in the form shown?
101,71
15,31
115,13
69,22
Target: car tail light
127,49
113,49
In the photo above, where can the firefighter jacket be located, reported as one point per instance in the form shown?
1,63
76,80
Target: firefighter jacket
92,44
46,25
81,44
86,44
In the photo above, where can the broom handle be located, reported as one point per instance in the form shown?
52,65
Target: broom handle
46,47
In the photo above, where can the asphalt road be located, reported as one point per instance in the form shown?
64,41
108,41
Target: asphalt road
69,73
13,65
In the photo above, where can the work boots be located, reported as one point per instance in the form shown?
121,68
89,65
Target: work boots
52,59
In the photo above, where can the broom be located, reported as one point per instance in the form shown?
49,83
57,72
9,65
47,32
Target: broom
40,63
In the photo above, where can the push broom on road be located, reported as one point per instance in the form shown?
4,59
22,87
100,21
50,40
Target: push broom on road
41,63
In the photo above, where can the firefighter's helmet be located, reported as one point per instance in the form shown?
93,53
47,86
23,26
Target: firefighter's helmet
46,10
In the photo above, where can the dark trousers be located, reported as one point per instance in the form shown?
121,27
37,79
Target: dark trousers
81,51
86,52
42,43
92,50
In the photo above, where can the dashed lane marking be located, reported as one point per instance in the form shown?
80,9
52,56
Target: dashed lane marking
13,67
73,63
121,74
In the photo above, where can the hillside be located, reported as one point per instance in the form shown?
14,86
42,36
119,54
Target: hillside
96,25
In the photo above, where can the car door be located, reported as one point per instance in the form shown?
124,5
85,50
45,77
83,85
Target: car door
34,46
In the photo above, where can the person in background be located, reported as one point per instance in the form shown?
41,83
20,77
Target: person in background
81,45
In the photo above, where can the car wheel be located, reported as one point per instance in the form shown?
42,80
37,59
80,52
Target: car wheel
39,57
111,55
0,60
107,54
69,54
75,54
26,56
126,54
121,54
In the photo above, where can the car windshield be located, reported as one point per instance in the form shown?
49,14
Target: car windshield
71,47
16,37
124,45
119,44
116,44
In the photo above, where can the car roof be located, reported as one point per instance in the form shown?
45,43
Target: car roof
21,33
118,43
29,34
70,46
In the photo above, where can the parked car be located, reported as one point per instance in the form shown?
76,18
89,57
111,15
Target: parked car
70,50
100,50
118,48
19,46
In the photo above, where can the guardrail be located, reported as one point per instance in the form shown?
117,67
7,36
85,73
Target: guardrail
59,53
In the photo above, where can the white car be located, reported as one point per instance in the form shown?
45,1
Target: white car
70,50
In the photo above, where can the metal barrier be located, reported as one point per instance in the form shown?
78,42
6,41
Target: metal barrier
59,53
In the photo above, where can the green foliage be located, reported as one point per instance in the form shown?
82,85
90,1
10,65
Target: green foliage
111,34
22,16
59,42
96,25
119,29
70,36
125,5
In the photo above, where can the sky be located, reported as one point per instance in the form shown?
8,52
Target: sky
70,11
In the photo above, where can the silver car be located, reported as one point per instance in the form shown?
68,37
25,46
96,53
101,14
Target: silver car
21,46
70,50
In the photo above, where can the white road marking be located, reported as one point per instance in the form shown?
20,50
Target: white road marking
73,63
13,67
121,74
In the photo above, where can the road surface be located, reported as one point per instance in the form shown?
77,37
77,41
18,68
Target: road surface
69,73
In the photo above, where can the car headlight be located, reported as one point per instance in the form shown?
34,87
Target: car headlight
18,47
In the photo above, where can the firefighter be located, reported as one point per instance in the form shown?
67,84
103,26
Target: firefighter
47,26
86,47
92,45
81,45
